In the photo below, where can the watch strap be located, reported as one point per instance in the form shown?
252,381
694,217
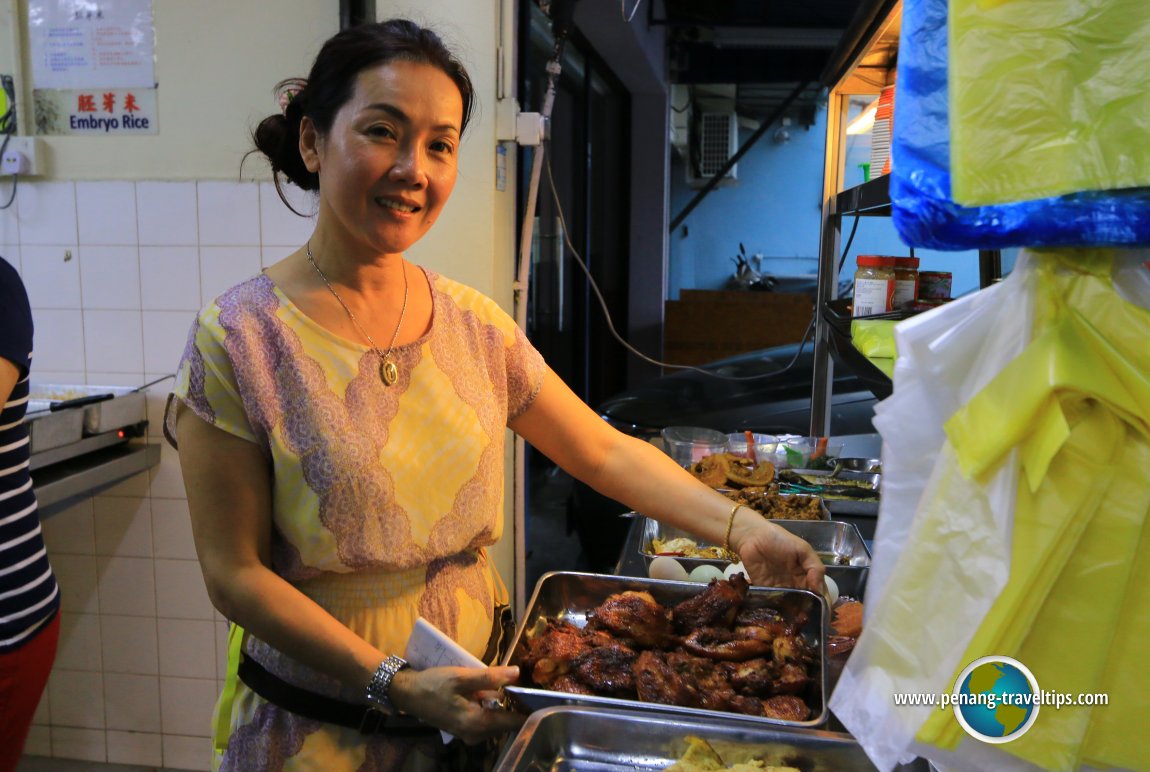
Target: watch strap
378,691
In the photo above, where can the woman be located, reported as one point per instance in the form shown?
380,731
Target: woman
341,422
29,596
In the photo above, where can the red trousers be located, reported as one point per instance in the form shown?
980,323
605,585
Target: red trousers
23,675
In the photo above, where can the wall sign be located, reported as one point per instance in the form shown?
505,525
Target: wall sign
93,66
113,112
91,44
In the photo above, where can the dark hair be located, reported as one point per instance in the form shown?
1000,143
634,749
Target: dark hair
332,80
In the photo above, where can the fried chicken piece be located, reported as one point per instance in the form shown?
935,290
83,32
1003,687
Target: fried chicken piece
570,684
848,619
769,621
678,678
636,617
755,677
790,647
723,644
551,652
656,680
791,678
786,707
741,703
715,606
607,670
763,678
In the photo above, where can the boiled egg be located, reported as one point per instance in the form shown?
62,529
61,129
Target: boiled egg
705,573
735,568
664,567
831,591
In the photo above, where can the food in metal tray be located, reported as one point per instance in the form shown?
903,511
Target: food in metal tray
706,652
845,485
700,756
684,547
776,506
722,469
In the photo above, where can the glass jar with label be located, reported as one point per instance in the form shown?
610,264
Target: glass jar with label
874,285
905,281
934,285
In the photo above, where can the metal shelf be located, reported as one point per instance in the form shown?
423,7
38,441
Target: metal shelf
60,485
872,198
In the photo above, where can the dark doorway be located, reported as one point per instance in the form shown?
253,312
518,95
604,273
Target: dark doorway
588,162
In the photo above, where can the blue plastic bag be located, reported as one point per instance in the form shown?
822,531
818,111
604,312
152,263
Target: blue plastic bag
924,213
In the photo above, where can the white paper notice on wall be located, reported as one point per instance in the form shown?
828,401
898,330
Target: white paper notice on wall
91,44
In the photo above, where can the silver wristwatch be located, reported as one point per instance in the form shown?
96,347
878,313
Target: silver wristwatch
378,691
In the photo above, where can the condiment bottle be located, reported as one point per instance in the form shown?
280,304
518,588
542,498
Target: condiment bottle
934,285
905,281
874,285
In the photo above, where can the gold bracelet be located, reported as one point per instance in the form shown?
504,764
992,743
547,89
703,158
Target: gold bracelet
730,525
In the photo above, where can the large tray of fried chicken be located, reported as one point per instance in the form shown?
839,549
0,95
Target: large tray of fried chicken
725,649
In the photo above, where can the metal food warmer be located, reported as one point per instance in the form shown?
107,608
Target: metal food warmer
81,440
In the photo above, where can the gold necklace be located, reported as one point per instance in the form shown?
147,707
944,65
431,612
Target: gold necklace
388,372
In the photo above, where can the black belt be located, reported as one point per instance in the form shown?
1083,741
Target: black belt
364,718
317,707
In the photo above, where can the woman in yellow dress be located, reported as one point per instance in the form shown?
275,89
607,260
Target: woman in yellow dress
341,417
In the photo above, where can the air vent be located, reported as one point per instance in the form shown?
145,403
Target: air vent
716,142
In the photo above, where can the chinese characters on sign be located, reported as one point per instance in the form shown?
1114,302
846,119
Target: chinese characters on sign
93,66
111,111
109,117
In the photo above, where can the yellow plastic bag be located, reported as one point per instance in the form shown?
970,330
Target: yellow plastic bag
874,337
1076,405
1048,98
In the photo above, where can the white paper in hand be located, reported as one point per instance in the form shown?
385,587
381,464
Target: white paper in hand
430,647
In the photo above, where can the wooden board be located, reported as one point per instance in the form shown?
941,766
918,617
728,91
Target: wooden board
705,325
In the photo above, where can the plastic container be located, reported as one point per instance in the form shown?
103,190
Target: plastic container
688,444
765,445
905,282
874,285
798,452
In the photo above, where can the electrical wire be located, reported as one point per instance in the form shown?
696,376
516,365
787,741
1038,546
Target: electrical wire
623,10
611,324
847,248
5,121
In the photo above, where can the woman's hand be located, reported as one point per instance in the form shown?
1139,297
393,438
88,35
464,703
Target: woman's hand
773,556
452,698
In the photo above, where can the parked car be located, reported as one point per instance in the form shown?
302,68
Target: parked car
777,403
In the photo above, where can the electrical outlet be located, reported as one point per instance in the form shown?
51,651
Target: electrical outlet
20,156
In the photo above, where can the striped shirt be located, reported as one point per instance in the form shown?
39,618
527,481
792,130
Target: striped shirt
29,596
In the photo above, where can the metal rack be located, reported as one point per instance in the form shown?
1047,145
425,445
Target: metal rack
867,49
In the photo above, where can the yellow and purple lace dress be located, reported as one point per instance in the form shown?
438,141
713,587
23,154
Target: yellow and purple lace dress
385,497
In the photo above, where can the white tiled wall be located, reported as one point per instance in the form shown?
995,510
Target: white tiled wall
115,272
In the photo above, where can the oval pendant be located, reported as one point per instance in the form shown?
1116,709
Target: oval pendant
389,372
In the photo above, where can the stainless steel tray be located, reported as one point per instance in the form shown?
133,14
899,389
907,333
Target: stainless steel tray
851,581
125,408
849,506
47,431
569,596
838,543
593,739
